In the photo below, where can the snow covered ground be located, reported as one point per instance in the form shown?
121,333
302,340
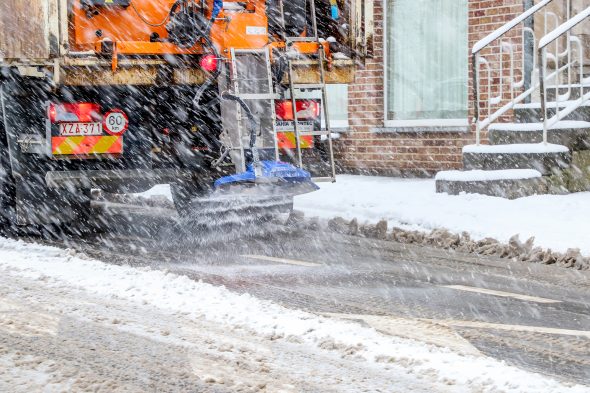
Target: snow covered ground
557,222
299,351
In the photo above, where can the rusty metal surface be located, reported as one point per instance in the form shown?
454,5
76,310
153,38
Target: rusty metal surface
132,75
93,71
308,72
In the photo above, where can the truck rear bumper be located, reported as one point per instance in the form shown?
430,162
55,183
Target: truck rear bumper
132,180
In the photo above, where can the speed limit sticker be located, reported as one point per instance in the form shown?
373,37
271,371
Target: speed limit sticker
115,122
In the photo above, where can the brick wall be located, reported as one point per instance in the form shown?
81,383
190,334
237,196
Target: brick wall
408,154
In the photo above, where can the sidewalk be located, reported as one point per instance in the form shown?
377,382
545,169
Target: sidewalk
558,222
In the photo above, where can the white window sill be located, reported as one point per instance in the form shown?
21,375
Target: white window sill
422,126
428,123
337,124
340,129
334,124
417,129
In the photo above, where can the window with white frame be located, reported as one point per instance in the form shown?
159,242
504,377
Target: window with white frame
426,62
337,104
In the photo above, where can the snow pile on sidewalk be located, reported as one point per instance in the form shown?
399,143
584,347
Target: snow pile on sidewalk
558,222
407,358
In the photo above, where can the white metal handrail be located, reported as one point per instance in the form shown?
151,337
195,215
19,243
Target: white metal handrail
484,116
543,55
498,33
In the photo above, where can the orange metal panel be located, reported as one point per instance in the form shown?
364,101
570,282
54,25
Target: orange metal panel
130,29
244,30
239,29
118,24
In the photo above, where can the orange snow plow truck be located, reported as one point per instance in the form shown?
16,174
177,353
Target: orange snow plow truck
120,95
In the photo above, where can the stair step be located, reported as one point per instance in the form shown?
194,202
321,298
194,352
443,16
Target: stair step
479,175
565,86
563,89
573,134
531,113
551,104
538,126
507,183
522,148
544,158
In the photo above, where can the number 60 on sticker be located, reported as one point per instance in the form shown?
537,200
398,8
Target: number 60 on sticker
115,122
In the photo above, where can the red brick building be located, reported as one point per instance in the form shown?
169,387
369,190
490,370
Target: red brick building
410,108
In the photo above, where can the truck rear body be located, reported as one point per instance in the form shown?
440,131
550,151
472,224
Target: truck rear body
124,94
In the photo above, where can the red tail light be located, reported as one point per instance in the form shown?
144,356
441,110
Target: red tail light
209,63
81,112
306,109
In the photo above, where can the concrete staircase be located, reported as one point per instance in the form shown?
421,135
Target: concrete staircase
519,161
516,163
574,134
506,183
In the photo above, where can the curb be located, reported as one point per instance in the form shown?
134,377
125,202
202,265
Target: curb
442,238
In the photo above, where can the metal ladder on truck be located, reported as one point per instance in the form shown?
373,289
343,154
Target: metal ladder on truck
294,88
252,81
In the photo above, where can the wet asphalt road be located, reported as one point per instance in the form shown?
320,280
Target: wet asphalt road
533,316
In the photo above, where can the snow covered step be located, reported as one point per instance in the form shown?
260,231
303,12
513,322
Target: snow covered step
573,134
575,90
531,112
550,105
544,158
507,183
562,125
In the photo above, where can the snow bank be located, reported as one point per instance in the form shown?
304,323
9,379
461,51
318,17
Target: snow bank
558,222
452,371
479,175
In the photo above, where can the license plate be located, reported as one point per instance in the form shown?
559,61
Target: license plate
289,126
80,129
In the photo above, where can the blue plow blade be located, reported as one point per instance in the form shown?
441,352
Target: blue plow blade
275,178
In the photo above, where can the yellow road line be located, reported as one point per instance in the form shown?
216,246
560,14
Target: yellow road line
502,294
282,260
